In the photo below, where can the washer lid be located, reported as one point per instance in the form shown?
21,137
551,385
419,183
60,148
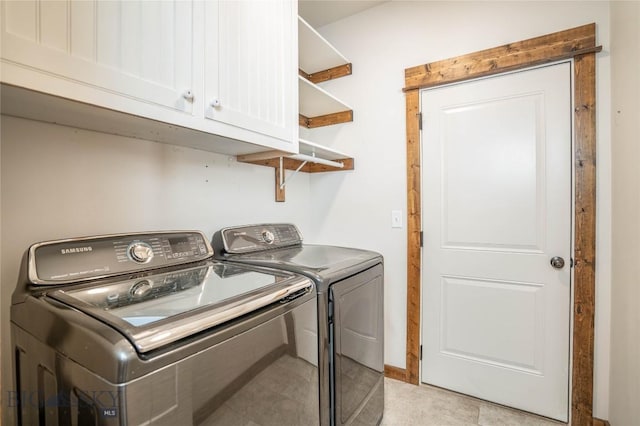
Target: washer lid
155,310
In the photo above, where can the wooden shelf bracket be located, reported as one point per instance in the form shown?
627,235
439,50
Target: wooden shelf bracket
313,162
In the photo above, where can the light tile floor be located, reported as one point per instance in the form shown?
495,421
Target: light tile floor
409,405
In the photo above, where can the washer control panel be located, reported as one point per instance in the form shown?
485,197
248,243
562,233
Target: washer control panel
252,238
82,259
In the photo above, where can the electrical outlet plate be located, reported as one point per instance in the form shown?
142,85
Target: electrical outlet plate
396,218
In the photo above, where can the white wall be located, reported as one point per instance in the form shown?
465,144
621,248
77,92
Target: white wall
382,42
625,315
62,182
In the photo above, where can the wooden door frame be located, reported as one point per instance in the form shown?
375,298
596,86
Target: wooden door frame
578,44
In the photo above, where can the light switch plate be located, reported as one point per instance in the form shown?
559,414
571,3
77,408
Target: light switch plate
396,218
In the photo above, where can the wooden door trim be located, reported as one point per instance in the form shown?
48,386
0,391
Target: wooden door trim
577,43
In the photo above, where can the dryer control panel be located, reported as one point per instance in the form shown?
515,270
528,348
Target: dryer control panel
253,238
83,259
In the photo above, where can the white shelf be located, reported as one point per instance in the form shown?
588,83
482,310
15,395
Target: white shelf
316,107
315,101
314,150
306,148
315,53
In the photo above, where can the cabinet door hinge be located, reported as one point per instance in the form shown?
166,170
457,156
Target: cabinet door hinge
421,239
420,121
420,352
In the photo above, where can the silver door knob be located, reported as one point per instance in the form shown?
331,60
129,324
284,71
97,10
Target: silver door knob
557,262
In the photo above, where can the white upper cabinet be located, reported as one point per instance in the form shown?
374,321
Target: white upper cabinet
216,75
139,49
251,67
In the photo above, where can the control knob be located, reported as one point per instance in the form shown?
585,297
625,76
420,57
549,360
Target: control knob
140,289
140,252
268,237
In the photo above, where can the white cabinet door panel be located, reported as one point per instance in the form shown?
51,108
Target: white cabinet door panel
82,33
54,24
251,59
140,49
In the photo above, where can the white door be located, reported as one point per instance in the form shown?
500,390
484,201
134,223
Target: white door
496,157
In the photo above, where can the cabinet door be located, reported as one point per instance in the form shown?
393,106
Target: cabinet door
251,67
139,49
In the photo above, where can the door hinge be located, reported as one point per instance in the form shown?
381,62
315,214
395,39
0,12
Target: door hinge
420,121
420,352
421,239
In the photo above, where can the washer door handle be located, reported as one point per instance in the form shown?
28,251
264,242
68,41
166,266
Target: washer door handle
557,262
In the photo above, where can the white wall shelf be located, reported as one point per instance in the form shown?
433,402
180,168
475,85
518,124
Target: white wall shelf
318,158
318,61
314,101
316,150
315,53
312,158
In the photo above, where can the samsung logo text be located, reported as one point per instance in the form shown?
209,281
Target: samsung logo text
76,250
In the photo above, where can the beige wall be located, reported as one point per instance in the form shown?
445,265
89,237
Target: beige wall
625,300
60,182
